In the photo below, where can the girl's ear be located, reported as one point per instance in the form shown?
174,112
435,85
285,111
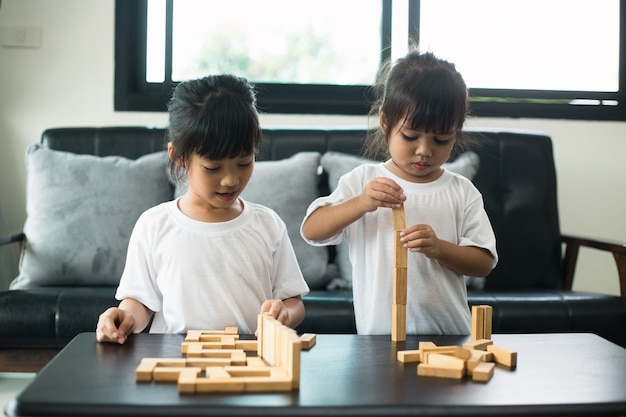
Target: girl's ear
382,120
170,154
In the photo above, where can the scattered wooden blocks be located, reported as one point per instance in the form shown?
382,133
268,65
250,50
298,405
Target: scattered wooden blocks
456,362
216,361
476,358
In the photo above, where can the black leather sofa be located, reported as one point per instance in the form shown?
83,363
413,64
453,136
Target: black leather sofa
530,289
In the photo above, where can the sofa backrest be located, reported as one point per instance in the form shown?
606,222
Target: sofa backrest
516,177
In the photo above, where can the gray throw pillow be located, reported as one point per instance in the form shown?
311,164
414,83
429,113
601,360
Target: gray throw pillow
288,186
337,164
81,210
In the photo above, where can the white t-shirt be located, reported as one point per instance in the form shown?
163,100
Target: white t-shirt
436,295
207,276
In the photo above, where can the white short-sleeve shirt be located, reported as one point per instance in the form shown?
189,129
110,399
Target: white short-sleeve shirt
197,275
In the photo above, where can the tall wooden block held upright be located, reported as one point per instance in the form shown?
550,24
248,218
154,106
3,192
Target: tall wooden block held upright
398,311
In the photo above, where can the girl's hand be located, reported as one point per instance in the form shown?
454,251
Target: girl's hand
421,238
381,192
464,260
277,309
114,325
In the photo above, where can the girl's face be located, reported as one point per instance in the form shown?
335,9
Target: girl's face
215,186
416,155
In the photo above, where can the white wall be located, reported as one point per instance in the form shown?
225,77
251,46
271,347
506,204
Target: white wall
68,81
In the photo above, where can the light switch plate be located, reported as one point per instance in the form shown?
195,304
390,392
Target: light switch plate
21,36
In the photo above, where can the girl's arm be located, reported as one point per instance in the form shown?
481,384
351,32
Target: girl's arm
140,313
327,221
464,260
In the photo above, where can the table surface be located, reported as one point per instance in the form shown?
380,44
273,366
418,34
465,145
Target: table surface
556,374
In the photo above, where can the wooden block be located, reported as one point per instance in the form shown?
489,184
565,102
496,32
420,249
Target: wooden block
400,252
219,338
472,363
187,382
219,353
277,381
231,330
228,342
399,286
398,322
294,349
307,341
217,373
503,356
145,369
409,356
397,218
218,385
478,357
426,345
194,349
204,362
445,361
478,323
193,335
259,330
425,369
487,320
238,358
483,371
255,361
462,353
426,350
171,362
247,345
269,339
481,355
480,344
197,335
171,374
247,371
214,361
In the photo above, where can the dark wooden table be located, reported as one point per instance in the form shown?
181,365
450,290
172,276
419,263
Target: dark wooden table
557,374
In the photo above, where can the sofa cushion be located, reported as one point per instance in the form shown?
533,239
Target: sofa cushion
288,186
81,210
336,164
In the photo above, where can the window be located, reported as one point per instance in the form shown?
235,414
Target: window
520,58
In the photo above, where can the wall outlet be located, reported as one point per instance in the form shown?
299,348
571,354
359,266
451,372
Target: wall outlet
21,36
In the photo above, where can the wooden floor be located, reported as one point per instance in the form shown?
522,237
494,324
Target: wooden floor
25,360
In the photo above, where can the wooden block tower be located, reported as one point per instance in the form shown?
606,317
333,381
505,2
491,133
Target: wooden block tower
398,312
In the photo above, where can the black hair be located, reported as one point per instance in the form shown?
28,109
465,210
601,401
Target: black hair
214,117
424,91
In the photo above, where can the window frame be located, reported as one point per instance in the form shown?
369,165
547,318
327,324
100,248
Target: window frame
133,93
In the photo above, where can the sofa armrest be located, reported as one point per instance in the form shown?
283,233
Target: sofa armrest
12,238
573,244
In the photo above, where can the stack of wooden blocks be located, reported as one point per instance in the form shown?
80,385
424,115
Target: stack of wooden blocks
476,358
398,307
216,361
